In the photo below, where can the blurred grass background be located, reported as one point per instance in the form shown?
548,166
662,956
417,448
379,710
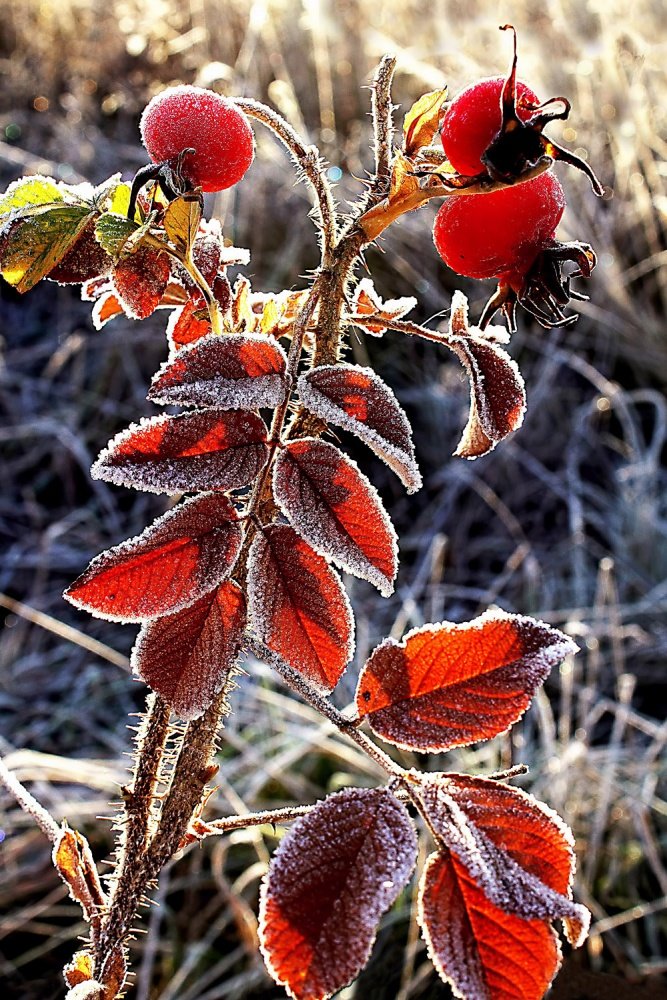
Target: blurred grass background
566,521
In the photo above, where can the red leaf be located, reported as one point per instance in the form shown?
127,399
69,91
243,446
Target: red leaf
177,559
450,685
186,657
358,400
228,371
140,281
185,328
204,450
531,833
299,607
107,307
480,949
337,511
85,260
333,876
517,850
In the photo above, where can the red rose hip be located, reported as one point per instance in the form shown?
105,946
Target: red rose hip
188,117
474,119
501,233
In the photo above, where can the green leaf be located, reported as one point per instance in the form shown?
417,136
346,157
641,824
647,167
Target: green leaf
31,246
113,230
31,191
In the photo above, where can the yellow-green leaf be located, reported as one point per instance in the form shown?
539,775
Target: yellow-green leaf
422,121
181,221
29,191
30,247
113,231
120,200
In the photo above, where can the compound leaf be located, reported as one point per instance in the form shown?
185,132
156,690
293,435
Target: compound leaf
335,873
450,685
184,554
298,606
186,656
204,450
335,508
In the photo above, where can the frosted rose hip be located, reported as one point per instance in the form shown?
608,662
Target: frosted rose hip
192,117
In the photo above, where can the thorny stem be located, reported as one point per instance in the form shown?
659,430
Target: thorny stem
302,686
383,125
270,817
308,161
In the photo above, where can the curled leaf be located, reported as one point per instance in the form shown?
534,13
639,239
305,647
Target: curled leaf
422,121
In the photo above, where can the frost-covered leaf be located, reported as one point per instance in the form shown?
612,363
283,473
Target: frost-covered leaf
334,875
31,191
243,317
232,371
113,230
422,121
181,220
86,259
335,508
186,325
366,302
73,860
517,850
107,307
32,245
450,685
205,450
186,657
298,606
497,391
184,554
140,281
484,952
358,400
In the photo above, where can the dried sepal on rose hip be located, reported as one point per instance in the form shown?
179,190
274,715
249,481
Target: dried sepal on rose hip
495,127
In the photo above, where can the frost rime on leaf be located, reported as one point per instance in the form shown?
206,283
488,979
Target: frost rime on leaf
173,562
298,606
186,657
358,400
450,685
335,508
497,390
204,450
140,281
503,873
333,876
234,371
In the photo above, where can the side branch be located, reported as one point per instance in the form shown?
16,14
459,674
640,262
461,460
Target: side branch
383,125
307,159
29,803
